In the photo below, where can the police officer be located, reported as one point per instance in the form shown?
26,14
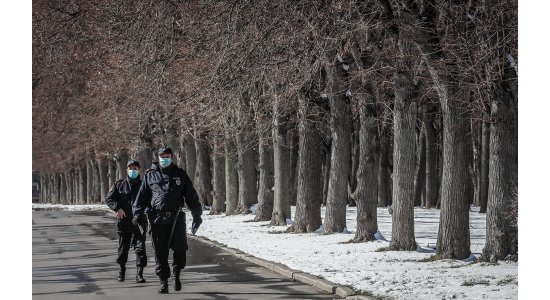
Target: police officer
162,193
120,198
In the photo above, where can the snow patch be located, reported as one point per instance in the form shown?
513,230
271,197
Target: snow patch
388,274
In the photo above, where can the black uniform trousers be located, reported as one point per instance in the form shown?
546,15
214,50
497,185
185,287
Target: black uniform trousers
129,235
161,226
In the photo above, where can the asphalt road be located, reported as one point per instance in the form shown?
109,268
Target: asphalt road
73,257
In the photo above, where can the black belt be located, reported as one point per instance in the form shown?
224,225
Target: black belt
166,213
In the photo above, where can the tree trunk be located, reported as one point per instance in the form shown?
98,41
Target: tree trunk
246,172
384,174
326,169
89,182
122,160
62,188
42,188
190,156
231,176
404,116
340,127
420,177
111,169
145,158
203,176
309,188
354,159
55,185
453,240
83,184
264,209
96,184
431,158
103,177
502,234
182,159
484,180
366,194
71,187
294,166
281,156
218,204
476,153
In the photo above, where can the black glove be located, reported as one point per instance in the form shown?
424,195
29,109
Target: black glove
135,220
196,223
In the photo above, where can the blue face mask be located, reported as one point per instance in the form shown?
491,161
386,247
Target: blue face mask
133,174
165,162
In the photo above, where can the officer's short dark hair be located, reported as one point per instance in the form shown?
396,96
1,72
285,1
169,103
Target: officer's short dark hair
165,150
132,162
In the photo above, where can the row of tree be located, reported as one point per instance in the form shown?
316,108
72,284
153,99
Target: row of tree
280,103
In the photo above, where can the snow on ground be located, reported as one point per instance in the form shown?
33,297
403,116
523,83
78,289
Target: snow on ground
387,274
84,207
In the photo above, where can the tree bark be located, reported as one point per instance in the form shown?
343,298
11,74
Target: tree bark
431,158
264,209
103,177
366,193
231,176
294,166
203,175
420,177
453,239
145,158
122,160
96,183
355,150
182,160
384,174
71,186
476,153
309,188
218,204
403,158
89,182
326,168
111,170
190,156
41,190
62,188
484,180
246,172
83,184
281,155
502,234
340,127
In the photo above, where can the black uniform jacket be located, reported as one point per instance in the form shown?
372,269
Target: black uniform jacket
122,195
165,190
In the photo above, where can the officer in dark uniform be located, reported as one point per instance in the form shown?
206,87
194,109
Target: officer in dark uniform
120,199
162,193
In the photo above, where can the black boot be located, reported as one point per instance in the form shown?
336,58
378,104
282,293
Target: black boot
121,273
139,276
163,286
177,282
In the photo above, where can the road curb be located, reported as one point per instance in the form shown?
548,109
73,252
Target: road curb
323,284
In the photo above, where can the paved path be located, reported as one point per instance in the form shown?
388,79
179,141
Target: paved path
73,257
